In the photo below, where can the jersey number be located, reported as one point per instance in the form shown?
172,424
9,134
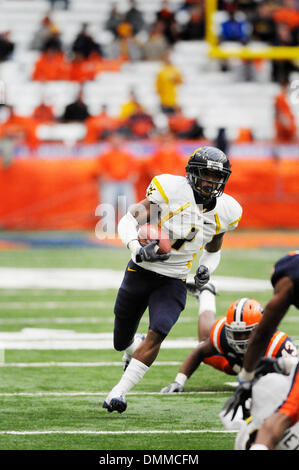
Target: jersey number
177,245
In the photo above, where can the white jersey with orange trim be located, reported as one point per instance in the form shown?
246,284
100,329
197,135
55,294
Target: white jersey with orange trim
189,226
279,345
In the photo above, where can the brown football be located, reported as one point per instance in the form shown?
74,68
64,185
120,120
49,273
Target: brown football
149,232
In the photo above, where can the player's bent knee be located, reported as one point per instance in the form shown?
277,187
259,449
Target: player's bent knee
121,344
155,337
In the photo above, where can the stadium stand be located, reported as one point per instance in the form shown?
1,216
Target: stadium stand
234,95
206,93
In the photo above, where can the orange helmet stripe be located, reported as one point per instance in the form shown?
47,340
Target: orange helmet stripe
244,310
275,343
239,309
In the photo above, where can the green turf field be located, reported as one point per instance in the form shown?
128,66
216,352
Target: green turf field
51,399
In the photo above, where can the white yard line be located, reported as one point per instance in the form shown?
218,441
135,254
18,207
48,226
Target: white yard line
99,279
61,339
55,339
57,320
80,364
141,431
100,394
53,305
73,320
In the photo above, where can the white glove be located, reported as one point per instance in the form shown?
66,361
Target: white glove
174,387
286,363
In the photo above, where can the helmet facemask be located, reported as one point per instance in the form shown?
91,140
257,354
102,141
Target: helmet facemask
237,335
208,183
242,317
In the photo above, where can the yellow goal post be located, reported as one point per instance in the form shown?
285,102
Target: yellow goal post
249,52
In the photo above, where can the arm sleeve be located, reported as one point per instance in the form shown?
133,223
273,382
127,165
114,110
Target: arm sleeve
210,260
127,230
220,363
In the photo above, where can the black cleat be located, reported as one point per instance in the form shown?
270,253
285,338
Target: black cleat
116,404
195,291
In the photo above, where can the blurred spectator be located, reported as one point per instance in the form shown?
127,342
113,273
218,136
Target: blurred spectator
167,158
263,25
82,68
167,17
53,41
118,171
134,17
168,79
285,123
76,111
125,45
20,129
234,29
6,46
51,65
42,33
43,113
287,13
156,45
130,106
195,27
85,44
100,126
221,141
114,19
140,123
284,37
184,127
244,136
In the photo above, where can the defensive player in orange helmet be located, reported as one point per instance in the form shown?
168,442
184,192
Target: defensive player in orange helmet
285,282
242,317
226,345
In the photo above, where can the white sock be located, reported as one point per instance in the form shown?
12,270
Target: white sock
258,447
132,375
207,301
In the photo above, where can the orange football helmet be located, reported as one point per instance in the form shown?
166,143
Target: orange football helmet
242,317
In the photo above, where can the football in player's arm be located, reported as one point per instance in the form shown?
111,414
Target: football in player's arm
195,212
285,281
225,347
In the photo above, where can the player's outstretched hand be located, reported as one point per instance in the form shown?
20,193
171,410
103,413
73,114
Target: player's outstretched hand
174,387
149,253
241,395
202,276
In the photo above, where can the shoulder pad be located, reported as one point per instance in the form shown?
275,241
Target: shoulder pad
232,210
276,343
164,188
